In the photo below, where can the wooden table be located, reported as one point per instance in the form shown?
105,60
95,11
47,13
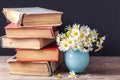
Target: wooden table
100,68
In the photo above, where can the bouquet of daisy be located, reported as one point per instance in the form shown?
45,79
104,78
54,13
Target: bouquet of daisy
79,37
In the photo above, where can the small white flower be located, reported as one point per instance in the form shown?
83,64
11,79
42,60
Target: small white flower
102,40
70,42
72,75
64,45
75,33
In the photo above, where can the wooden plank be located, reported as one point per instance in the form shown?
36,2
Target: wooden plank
100,68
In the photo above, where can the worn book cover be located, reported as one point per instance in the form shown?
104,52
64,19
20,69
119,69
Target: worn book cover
33,16
29,68
14,31
43,68
48,53
26,43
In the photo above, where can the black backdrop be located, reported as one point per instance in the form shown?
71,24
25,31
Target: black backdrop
103,15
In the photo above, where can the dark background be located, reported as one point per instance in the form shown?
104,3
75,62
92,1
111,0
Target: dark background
103,15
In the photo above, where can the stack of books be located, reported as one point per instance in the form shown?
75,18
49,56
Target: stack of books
31,32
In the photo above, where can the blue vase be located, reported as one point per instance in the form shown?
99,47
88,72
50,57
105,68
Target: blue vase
76,60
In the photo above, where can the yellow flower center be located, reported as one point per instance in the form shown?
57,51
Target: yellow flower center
75,33
69,42
81,35
65,44
75,46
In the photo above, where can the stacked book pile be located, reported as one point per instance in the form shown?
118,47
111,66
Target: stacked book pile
31,32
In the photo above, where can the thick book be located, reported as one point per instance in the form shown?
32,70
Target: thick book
48,53
33,68
26,43
15,31
33,16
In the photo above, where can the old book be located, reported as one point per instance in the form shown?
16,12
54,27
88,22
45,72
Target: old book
33,68
26,43
15,31
33,16
29,68
48,53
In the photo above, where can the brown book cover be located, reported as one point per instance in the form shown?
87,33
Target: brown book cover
48,53
29,68
14,31
26,43
33,16
33,68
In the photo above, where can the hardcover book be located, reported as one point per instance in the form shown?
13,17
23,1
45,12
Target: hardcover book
26,43
33,68
48,53
33,16
14,31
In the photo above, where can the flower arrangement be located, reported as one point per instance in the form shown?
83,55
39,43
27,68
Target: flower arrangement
79,37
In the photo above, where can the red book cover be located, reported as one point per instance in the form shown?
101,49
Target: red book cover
12,31
49,48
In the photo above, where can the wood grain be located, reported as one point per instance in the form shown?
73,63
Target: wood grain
100,68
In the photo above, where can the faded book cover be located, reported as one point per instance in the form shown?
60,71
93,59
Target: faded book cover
14,31
33,16
29,68
48,53
26,43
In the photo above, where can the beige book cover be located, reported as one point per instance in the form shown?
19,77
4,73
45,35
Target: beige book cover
38,15
26,43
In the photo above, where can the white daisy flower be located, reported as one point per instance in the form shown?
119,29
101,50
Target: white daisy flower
72,75
70,42
102,40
